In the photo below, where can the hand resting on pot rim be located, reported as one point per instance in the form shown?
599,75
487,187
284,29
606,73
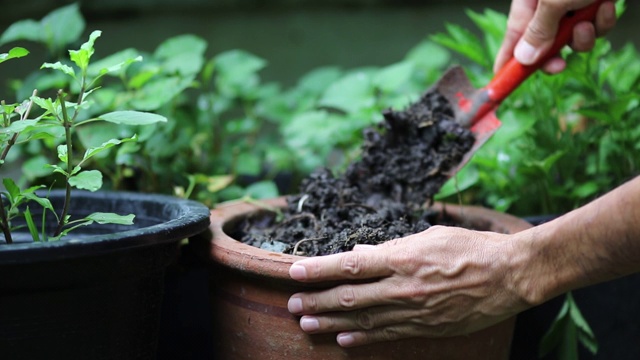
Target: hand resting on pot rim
449,281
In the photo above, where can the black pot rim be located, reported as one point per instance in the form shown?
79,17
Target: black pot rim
192,219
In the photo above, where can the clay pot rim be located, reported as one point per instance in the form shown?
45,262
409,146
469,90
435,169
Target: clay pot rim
258,262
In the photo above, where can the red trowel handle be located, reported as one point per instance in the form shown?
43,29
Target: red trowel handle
514,73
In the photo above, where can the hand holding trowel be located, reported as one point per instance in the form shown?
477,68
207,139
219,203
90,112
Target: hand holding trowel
475,108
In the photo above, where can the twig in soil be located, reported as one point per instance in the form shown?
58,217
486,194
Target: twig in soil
295,247
366,207
300,216
301,202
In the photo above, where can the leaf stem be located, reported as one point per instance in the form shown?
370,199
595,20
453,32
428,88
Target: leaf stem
67,123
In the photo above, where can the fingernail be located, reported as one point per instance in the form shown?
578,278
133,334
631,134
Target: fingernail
345,339
294,305
309,324
297,272
525,53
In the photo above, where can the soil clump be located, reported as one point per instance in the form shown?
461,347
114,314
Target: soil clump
405,160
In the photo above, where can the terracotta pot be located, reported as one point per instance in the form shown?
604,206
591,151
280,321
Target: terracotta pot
250,289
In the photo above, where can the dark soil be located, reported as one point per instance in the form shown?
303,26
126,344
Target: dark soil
404,162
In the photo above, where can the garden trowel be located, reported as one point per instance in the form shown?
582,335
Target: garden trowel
475,108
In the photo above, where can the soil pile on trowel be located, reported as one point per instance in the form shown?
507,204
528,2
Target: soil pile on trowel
404,162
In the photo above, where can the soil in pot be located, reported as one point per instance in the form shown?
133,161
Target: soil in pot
404,162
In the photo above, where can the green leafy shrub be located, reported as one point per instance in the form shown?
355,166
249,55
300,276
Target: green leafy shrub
566,139
50,123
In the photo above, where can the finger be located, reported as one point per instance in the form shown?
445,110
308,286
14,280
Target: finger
347,265
346,297
387,333
520,13
554,65
605,18
540,33
363,319
584,36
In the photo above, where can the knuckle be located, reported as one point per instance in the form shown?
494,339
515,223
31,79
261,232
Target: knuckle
346,297
364,320
351,263
310,304
390,334
538,32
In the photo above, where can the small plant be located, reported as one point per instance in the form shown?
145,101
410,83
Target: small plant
53,122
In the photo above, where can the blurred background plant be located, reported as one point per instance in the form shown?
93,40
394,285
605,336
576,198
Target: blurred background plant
566,138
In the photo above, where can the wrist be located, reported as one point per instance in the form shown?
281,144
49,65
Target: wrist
537,274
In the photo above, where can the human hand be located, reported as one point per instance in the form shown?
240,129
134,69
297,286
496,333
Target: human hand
532,26
444,281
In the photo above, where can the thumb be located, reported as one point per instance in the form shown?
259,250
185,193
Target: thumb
539,34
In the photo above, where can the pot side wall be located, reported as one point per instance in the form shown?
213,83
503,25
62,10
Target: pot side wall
250,288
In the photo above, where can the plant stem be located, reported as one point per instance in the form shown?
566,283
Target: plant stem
4,223
66,122
14,138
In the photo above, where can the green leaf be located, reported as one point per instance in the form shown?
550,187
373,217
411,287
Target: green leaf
110,218
236,72
128,117
429,56
392,77
81,57
493,25
464,179
248,164
61,67
14,53
45,104
568,328
184,64
62,26
318,80
109,68
44,202
12,188
115,63
464,42
181,45
160,91
217,183
57,169
238,64
262,190
33,230
554,335
22,30
351,93
106,145
18,127
62,152
182,54
34,167
585,190
88,180
585,334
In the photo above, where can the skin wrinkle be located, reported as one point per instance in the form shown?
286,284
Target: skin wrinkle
347,298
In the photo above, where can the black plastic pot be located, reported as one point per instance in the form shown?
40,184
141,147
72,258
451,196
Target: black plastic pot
97,293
